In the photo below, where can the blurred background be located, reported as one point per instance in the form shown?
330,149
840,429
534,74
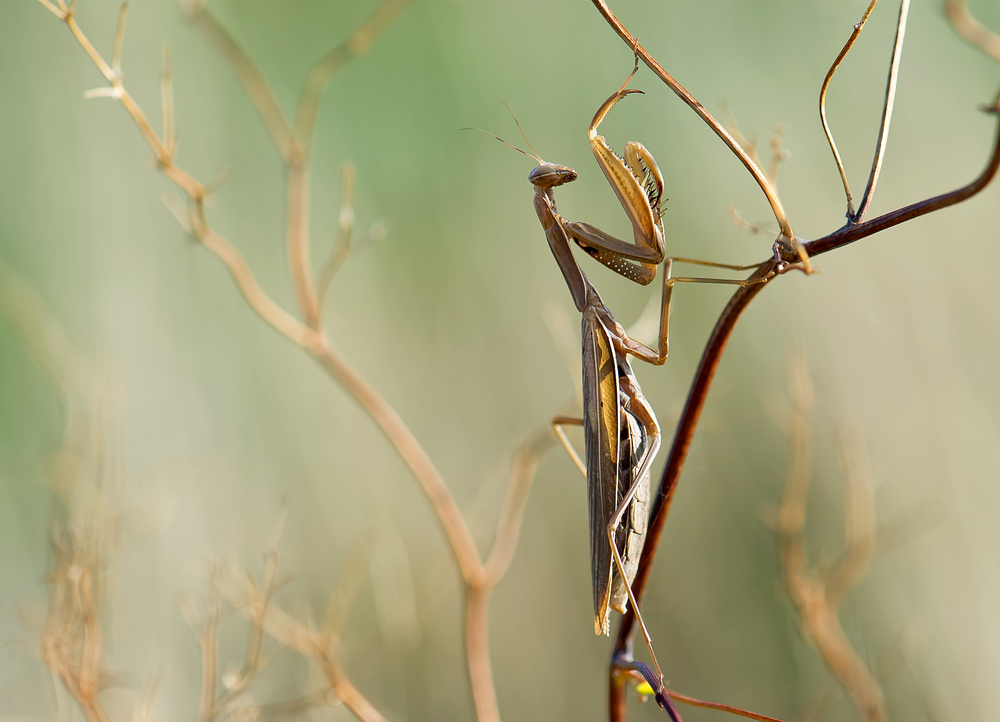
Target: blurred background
210,418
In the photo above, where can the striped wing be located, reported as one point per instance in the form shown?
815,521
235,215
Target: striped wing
601,426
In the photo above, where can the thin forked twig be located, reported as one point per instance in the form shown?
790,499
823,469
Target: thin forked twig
295,144
301,637
858,27
890,97
254,601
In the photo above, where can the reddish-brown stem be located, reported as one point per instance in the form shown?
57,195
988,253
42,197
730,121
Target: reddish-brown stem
706,371
675,463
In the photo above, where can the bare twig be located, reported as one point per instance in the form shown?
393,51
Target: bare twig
345,230
695,702
890,97
478,594
354,47
210,646
294,634
249,76
816,599
512,512
85,534
974,32
167,101
858,27
294,145
346,588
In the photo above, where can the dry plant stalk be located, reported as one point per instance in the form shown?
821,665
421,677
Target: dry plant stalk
295,141
85,535
816,594
789,253
254,599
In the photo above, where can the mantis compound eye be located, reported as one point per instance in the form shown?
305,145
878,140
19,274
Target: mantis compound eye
549,175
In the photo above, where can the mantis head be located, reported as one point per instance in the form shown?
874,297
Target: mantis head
545,175
549,175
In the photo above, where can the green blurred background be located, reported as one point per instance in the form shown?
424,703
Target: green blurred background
218,417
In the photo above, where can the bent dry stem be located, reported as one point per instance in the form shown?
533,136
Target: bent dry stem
712,354
294,143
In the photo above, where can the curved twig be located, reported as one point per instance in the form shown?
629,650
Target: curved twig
890,97
822,104
355,46
971,29
249,75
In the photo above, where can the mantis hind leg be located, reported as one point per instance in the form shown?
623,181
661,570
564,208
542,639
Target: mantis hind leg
659,355
557,425
641,475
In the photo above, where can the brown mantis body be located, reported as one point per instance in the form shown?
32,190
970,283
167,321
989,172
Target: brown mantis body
621,430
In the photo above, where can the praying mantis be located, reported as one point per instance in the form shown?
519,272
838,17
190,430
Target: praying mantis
622,435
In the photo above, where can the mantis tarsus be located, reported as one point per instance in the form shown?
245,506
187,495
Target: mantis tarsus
621,430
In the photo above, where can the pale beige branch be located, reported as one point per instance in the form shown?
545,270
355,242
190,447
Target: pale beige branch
247,284
462,544
355,46
859,516
249,76
345,589
210,646
292,633
792,510
116,52
477,645
970,29
814,602
83,538
167,103
345,230
55,11
297,236
477,579
255,640
512,512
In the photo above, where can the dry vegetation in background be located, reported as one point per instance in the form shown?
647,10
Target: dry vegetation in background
85,534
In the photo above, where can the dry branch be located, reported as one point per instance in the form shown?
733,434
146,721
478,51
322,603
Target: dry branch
856,229
817,597
295,144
